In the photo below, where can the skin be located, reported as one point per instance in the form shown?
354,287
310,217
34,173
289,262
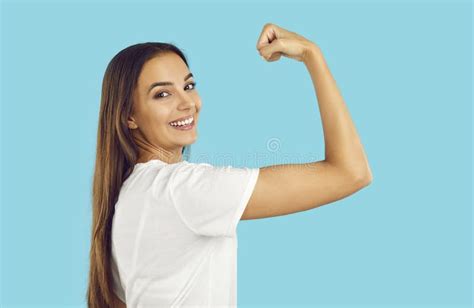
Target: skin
290,188
150,117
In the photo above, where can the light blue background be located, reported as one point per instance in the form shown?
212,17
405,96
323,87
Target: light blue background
404,69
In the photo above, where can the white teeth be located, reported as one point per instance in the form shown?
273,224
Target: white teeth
181,123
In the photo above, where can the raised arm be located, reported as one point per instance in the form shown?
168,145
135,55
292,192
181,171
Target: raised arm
289,188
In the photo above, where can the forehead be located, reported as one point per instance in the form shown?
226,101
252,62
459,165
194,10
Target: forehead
165,67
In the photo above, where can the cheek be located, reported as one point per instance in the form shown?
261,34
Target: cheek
159,114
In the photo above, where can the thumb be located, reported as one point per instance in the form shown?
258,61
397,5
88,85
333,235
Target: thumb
272,49
268,35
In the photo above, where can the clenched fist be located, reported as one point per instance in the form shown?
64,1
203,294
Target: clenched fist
275,41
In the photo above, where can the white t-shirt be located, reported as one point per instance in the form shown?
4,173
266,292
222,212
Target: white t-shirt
174,240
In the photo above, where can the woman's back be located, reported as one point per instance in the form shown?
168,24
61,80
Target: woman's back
174,233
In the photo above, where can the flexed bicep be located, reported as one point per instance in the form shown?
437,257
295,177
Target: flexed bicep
291,188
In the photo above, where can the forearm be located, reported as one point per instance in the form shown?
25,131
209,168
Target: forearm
343,147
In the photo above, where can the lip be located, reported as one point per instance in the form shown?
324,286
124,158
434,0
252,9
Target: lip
182,118
185,129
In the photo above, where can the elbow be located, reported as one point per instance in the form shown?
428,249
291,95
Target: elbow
363,178
361,174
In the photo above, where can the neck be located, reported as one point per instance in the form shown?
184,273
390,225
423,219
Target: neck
169,157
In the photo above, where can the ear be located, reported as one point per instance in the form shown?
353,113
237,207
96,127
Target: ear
131,123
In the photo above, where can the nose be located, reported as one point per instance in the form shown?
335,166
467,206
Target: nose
187,102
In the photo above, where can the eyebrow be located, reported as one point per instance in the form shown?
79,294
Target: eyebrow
167,83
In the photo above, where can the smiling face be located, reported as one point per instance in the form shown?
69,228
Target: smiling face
165,93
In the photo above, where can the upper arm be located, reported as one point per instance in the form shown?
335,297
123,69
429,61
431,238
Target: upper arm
290,188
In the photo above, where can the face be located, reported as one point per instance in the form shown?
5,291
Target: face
165,94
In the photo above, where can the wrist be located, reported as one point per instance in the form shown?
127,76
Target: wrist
311,53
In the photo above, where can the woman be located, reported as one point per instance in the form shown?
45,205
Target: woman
164,229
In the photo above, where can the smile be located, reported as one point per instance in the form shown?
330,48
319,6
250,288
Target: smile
184,124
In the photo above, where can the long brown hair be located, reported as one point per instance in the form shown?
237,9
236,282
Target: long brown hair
116,154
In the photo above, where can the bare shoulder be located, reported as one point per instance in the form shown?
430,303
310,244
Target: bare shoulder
290,188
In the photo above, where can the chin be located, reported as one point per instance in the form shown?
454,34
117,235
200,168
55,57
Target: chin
191,142
185,141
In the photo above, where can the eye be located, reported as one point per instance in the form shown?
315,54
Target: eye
193,84
158,95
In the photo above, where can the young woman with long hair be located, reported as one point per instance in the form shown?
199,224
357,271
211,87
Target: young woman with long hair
164,229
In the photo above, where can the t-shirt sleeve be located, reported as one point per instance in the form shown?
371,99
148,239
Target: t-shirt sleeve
211,199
